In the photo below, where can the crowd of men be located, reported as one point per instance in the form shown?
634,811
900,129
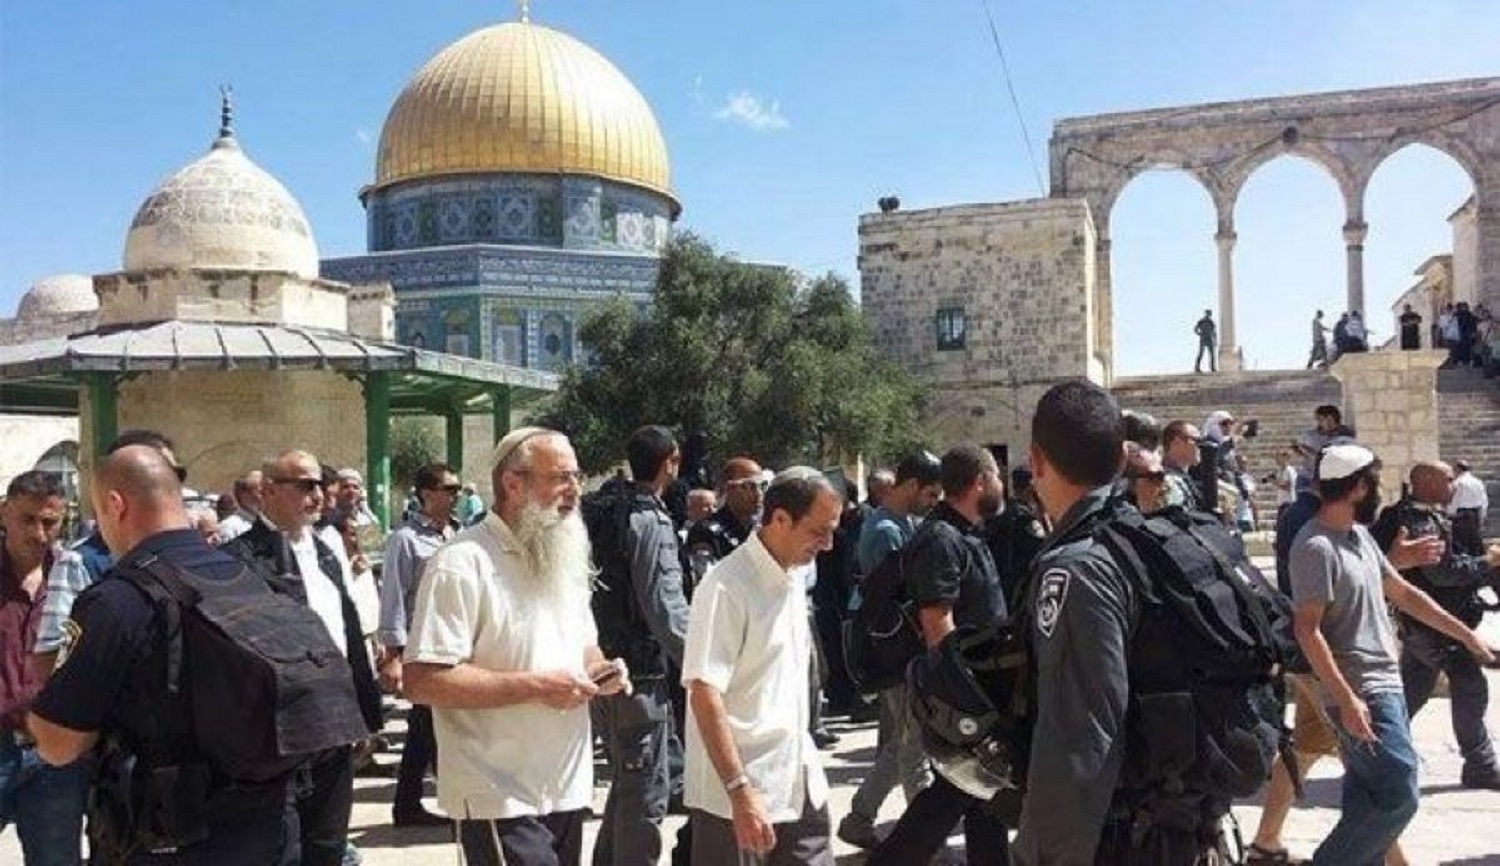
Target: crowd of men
696,638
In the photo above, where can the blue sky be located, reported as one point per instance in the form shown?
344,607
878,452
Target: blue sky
785,120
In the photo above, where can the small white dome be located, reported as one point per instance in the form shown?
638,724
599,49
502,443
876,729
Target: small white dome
222,211
60,295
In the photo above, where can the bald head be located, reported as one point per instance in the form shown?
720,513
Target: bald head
1432,482
136,494
140,473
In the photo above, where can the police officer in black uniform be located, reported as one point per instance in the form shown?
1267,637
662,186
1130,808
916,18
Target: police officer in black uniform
1083,610
743,484
1454,583
110,685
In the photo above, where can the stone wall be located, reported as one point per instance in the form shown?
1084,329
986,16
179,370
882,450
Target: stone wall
226,422
1391,400
1465,253
1019,276
25,438
205,295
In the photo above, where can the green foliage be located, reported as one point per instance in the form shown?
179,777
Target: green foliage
415,442
740,351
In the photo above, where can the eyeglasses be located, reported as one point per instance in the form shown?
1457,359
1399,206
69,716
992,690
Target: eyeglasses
574,477
1147,476
747,484
303,485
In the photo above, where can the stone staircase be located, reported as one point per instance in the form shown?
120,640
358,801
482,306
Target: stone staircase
1469,430
1283,401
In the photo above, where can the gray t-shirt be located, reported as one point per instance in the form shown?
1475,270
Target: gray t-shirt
1344,570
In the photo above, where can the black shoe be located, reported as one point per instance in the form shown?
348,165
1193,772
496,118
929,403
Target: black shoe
418,817
1481,778
825,739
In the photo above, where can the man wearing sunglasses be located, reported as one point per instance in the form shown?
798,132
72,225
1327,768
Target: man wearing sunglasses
743,484
283,547
406,554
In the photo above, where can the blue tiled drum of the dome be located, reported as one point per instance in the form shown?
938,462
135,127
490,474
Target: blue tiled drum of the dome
570,212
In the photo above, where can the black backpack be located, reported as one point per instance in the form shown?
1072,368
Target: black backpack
623,632
1207,710
261,683
882,636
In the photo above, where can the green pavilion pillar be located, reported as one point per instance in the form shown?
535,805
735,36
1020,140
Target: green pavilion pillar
500,406
104,409
378,445
454,439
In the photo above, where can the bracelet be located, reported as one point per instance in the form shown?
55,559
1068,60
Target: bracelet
738,782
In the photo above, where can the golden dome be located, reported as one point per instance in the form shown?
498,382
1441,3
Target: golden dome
519,97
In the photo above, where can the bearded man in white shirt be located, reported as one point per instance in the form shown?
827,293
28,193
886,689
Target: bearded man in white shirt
502,646
753,780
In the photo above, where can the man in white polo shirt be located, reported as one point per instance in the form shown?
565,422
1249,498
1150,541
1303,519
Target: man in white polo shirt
753,780
502,646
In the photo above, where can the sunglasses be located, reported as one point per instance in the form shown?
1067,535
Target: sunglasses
447,488
303,485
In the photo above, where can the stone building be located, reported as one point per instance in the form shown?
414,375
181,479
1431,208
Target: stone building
915,283
220,333
521,179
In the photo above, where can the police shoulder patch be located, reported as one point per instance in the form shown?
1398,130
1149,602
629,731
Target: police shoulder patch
1050,598
71,632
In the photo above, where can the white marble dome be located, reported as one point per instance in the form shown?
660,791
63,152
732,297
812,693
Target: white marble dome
222,211
60,295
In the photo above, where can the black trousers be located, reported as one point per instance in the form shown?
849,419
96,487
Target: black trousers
534,840
927,821
417,755
325,795
1423,655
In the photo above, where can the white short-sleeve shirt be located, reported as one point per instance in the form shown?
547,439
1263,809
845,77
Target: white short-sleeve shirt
473,607
748,637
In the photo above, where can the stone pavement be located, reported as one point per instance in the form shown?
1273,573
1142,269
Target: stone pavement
1454,826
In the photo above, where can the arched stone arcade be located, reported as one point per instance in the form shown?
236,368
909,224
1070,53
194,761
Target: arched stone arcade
1349,134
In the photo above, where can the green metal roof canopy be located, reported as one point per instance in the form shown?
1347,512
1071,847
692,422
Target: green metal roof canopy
45,377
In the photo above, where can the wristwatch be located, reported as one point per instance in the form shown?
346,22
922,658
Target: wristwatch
738,782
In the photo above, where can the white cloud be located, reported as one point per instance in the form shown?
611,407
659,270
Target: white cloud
362,135
749,110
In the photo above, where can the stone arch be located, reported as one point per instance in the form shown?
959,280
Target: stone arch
1124,174
1434,235
1347,133
1348,180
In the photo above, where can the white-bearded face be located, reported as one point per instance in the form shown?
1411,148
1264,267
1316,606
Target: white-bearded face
556,550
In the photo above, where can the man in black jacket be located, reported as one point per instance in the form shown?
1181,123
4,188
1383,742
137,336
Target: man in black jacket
283,547
952,582
1453,582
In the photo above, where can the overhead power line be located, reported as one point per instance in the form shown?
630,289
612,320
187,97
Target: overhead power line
1014,100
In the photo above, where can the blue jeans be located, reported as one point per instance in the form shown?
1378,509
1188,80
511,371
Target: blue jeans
1380,787
45,802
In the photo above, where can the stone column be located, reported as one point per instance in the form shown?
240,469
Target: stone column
1229,354
1354,246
